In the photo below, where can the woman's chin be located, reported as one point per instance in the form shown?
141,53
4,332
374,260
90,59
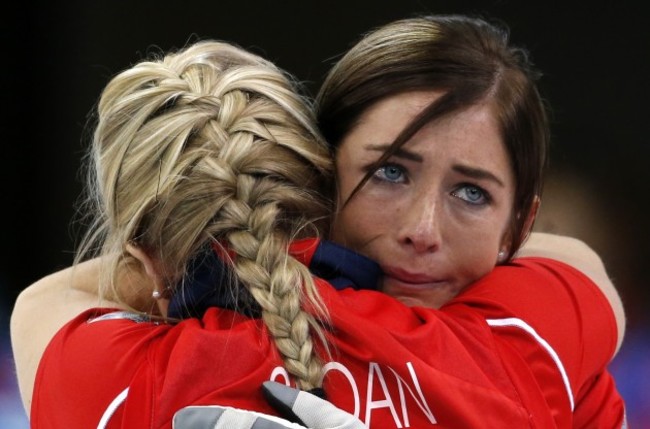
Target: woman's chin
420,296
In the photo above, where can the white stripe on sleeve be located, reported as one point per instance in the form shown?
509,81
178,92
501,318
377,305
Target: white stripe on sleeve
119,399
518,323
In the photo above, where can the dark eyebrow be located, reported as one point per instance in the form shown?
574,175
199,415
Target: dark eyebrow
477,173
400,153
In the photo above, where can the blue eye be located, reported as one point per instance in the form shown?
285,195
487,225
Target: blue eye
391,173
472,194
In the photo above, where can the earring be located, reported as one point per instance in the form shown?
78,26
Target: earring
501,256
156,294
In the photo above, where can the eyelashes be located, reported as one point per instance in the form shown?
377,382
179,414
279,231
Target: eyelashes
472,194
391,173
395,174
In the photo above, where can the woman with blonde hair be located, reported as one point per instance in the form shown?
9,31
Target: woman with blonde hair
208,148
210,173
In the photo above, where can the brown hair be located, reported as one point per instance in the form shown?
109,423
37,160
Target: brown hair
469,60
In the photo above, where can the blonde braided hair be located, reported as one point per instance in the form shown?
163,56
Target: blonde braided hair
213,144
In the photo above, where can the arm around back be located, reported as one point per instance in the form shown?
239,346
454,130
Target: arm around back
44,307
580,256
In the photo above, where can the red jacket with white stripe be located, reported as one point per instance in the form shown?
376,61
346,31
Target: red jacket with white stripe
525,347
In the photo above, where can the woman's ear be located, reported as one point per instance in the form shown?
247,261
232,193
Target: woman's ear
530,219
146,261
506,241
160,291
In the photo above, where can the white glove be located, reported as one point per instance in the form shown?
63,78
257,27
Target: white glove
218,417
307,410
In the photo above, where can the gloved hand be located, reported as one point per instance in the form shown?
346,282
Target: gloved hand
307,410
219,417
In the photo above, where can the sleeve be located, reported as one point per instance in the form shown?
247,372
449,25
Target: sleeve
70,371
599,405
555,325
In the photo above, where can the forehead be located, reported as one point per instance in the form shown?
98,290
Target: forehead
406,106
383,121
395,111
469,136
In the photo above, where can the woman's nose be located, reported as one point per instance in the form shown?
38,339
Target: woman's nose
420,226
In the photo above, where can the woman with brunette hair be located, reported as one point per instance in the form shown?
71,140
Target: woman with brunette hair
212,183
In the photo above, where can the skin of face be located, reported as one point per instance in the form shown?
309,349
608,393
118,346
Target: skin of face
436,214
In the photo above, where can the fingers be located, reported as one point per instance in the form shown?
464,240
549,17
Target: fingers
307,409
218,417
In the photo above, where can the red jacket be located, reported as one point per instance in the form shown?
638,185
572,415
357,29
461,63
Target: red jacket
526,346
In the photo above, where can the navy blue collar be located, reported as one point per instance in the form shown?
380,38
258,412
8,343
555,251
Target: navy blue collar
201,288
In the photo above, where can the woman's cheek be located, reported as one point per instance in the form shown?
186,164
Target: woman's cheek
479,260
359,222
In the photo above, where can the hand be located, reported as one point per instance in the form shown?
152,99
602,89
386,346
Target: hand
307,409
217,416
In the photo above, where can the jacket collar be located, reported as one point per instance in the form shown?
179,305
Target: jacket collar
199,289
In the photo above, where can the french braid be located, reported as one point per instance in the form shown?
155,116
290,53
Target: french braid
212,144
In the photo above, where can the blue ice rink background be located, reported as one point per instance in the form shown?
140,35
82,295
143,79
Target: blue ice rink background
12,414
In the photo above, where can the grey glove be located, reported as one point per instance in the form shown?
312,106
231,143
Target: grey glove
307,410
218,417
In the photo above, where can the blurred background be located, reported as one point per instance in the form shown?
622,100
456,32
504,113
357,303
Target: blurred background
595,60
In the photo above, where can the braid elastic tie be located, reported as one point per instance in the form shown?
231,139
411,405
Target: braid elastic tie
318,391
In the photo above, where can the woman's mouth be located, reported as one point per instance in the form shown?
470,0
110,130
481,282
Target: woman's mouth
415,288
409,279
